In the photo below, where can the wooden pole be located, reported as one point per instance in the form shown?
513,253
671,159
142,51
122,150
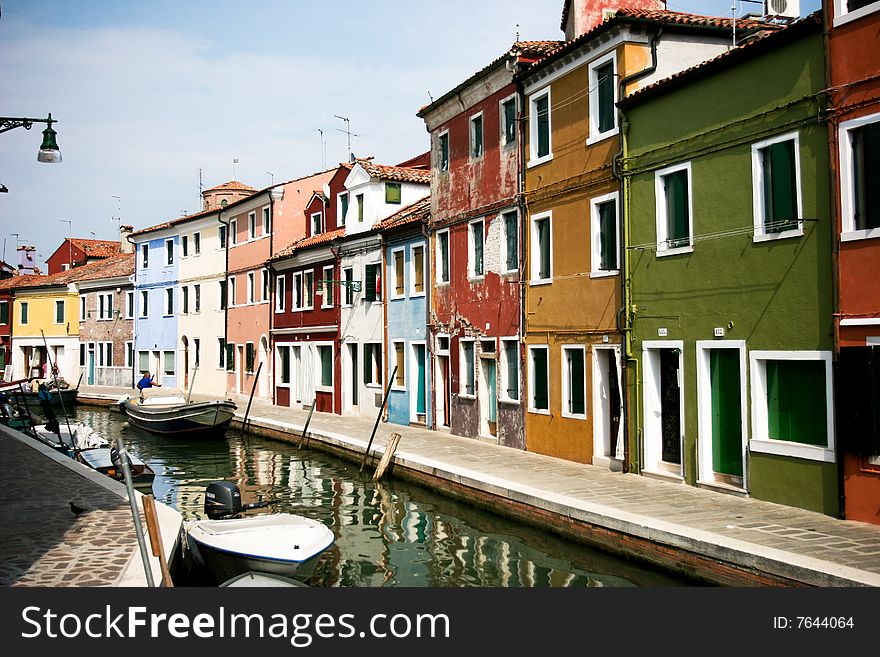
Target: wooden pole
60,397
302,438
378,417
390,448
250,399
152,519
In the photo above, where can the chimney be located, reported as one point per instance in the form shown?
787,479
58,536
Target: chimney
27,260
124,231
581,16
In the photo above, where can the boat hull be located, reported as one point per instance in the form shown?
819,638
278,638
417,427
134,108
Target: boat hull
202,419
67,398
223,566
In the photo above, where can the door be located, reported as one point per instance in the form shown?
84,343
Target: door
489,367
607,405
240,387
296,376
443,393
91,378
352,376
724,373
420,402
670,406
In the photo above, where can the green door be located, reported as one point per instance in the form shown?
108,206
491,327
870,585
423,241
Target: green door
91,378
491,391
420,381
727,455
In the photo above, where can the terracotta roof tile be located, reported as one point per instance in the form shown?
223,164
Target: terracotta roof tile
307,242
401,174
96,248
231,185
418,211
110,267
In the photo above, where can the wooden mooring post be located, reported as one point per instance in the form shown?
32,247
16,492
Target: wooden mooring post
152,519
250,399
385,461
378,417
303,438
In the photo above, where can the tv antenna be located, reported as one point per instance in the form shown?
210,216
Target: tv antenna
347,131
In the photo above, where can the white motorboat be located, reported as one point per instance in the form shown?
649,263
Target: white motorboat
169,413
260,580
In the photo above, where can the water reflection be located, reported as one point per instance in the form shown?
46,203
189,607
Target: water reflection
387,533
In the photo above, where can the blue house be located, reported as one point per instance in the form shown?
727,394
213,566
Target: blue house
407,283
156,298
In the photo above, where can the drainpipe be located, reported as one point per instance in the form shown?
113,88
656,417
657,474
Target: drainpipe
384,321
134,356
220,214
430,402
625,326
270,346
520,188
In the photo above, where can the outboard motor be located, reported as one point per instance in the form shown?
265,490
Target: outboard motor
223,500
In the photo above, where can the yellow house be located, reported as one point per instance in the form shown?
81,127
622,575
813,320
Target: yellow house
575,218
45,314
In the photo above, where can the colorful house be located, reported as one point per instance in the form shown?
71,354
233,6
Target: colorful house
75,252
574,404
730,274
407,268
475,235
854,130
373,193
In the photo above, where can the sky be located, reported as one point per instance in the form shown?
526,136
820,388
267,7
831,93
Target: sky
151,96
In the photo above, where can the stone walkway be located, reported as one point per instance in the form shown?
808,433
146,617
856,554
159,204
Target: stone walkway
732,539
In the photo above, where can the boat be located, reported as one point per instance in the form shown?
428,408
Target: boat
65,397
70,438
170,413
259,580
101,459
282,544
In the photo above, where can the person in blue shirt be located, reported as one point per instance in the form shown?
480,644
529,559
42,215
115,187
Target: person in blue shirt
147,382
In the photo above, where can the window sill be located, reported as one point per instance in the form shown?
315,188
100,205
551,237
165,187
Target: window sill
605,273
602,136
663,475
781,235
855,235
539,411
509,402
476,279
680,250
416,295
794,450
462,395
540,281
539,161
324,389
574,416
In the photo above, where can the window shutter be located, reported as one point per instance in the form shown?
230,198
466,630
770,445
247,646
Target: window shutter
781,185
608,236
605,84
796,401
511,351
511,241
543,126
866,169
676,209
576,381
539,363
857,395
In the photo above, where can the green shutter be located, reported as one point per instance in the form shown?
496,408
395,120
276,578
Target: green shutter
477,230
444,152
477,135
608,236
605,85
543,126
326,366
420,380
866,169
511,352
510,121
344,198
539,377
544,249
780,187
726,411
510,233
392,193
444,258
370,272
4,313
575,358
677,224
230,357
796,401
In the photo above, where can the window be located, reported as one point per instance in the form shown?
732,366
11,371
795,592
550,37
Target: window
327,277
169,252
197,298
197,243
4,311
467,382
169,301
398,264
233,232
184,246
325,360
417,274
343,208
129,304
197,344
224,298
392,193
850,10
108,354
372,283
309,291
360,206
604,235
476,136
168,363
249,357
221,347
297,291
267,221
250,287
541,255
145,255
510,369
443,151
82,309
442,257
264,285
316,223
252,225
373,364
573,383
279,293
859,170
510,254
143,361
230,356
792,413
400,365
59,312
348,277
475,249
539,379
105,306
603,96
539,129
221,233
284,364
129,354
672,188
145,305
231,289
508,121
776,188
184,299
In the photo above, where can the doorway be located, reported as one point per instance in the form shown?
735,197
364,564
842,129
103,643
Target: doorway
419,395
607,407
663,405
442,386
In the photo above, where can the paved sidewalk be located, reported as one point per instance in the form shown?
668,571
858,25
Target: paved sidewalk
729,539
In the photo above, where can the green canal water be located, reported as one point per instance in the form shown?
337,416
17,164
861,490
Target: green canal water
388,533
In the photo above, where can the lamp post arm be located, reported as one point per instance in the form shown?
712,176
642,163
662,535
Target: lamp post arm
9,123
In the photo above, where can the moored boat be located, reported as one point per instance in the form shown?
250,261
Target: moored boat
101,459
169,413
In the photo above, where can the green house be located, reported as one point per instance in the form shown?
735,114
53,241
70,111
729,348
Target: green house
728,288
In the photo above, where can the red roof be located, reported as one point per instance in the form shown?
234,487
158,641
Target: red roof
307,242
232,185
418,211
96,248
401,174
111,267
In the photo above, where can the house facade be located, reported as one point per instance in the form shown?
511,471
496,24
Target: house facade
575,403
729,272
854,131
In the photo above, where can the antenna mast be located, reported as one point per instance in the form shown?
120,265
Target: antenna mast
347,131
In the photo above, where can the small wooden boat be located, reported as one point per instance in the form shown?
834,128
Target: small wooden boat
169,413
100,459
281,544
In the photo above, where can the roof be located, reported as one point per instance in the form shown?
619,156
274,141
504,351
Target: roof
414,161
307,242
757,45
96,248
232,185
659,17
418,211
524,51
400,174
115,266
174,222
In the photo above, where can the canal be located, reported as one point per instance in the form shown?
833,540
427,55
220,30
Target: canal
388,533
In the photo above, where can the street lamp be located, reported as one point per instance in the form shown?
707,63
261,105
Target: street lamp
49,151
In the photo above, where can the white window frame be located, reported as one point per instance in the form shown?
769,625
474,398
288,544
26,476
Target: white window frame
412,269
472,136
760,441
392,353
505,238
439,282
318,369
267,221
327,297
440,136
230,292
184,246
339,213
566,384
376,379
298,290
145,304
534,160
847,180
595,235
595,135
23,314
264,285
145,256
320,224
129,354
184,300
82,307
129,304
530,407
472,255
758,210
165,371
392,292
197,298
311,301
252,226
232,233
462,368
169,252
279,380
842,16
660,208
502,136
222,237
505,373
280,284
197,243
169,302
251,287
534,262
347,275
107,314
63,312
